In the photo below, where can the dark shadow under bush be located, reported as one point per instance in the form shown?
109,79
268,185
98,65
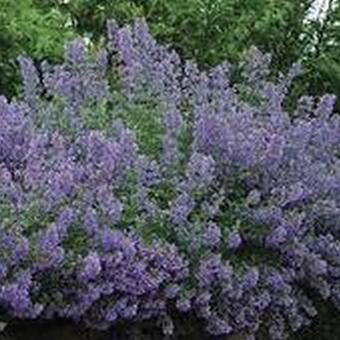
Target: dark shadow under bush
325,327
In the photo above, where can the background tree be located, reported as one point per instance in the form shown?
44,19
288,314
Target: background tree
322,57
26,28
208,31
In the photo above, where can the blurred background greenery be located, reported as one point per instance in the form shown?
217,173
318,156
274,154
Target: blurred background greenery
209,31
28,28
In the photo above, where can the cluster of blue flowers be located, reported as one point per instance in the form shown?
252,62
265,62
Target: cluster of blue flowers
232,215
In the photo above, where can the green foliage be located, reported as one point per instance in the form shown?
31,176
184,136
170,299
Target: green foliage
145,120
207,30
322,58
214,30
28,29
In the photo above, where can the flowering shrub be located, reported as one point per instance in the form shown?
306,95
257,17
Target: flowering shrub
134,186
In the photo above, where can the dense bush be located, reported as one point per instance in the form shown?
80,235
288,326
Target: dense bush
135,186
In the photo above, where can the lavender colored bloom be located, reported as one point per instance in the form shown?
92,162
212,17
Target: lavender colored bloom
234,240
103,60
250,279
203,298
111,205
262,301
277,237
212,235
173,121
129,55
172,291
149,172
170,147
51,254
326,106
3,270
296,193
181,208
65,220
31,81
14,246
17,295
201,168
218,326
276,281
183,305
254,197
91,268
76,52
61,184
257,66
212,270
91,222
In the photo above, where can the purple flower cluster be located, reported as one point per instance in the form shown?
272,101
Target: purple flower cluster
235,220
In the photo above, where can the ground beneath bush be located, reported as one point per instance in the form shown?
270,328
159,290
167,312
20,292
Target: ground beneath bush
61,330
326,327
